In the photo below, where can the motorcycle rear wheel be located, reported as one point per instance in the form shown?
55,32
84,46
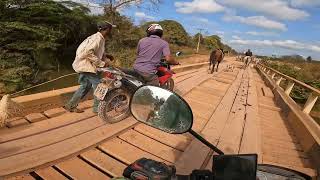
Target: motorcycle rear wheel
115,100
168,85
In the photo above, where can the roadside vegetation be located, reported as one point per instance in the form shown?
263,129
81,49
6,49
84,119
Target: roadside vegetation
38,39
304,70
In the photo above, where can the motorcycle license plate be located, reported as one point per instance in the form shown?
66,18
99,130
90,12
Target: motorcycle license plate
101,91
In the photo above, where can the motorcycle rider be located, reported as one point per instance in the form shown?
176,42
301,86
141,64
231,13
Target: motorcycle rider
150,50
248,57
89,56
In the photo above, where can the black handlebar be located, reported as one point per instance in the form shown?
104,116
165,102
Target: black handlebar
197,175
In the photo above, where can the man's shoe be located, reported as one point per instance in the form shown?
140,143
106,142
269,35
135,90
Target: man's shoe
75,110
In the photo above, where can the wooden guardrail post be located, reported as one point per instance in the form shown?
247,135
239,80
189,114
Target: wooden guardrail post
279,81
312,99
289,87
272,76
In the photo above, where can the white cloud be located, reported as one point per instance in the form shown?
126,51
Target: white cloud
142,15
236,37
286,44
259,21
277,8
198,6
255,33
201,20
315,48
220,32
301,3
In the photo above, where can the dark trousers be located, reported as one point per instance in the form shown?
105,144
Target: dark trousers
150,78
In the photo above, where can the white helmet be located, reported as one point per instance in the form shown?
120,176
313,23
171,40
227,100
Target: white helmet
154,29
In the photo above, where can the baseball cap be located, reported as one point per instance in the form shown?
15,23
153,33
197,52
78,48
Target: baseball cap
105,25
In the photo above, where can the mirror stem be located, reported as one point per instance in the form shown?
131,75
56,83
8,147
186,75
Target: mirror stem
204,141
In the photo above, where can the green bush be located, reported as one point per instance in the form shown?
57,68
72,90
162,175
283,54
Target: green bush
302,71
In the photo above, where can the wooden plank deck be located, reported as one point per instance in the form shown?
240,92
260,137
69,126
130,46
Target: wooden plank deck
64,145
279,144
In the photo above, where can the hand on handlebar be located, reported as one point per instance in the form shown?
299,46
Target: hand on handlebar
108,56
176,63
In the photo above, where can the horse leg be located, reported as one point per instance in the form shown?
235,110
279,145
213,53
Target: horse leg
218,66
213,65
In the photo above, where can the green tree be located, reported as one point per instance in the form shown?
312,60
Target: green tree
297,58
112,7
36,35
213,42
174,32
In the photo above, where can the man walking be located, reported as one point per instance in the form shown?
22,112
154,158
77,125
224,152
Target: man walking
90,55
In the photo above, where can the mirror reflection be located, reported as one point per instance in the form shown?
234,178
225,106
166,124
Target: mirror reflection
161,109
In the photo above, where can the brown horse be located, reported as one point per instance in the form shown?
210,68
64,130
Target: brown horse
216,57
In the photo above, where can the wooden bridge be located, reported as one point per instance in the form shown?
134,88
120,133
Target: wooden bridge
240,111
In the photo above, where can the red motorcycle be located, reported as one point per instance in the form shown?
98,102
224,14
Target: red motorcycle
165,76
118,85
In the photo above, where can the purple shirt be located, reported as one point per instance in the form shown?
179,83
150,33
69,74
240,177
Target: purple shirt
150,51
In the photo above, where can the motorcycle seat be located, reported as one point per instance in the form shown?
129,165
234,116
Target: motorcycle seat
133,73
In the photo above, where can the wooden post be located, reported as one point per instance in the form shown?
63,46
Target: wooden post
312,99
272,76
289,87
198,46
268,71
279,81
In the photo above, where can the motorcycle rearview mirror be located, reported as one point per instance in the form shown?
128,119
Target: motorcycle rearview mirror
164,110
178,53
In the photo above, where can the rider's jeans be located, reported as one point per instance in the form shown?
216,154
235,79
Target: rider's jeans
151,79
86,81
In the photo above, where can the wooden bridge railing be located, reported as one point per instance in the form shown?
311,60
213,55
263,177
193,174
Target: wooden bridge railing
305,127
278,77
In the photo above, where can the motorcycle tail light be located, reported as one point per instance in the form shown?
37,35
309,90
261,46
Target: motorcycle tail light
108,75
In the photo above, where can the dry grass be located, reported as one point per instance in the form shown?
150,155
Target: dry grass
8,109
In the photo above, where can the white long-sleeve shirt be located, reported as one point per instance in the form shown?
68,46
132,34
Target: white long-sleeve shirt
89,54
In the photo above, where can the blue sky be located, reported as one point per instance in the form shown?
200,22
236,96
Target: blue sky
267,27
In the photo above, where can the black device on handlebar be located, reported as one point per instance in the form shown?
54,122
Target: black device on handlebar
235,167
148,169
